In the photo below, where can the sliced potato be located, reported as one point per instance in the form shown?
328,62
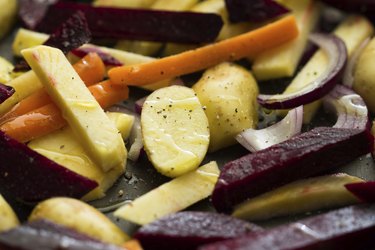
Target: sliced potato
300,197
228,92
6,69
82,112
172,196
8,219
125,4
80,216
174,130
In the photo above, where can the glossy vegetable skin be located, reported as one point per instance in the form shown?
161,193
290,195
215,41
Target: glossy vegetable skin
346,228
311,153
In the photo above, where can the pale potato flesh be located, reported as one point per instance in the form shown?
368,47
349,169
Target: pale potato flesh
174,130
172,196
299,197
82,112
8,219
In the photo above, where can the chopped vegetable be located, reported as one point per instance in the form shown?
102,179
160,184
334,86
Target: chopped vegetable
255,10
79,216
175,130
78,105
346,228
172,196
188,230
31,177
246,45
5,92
8,12
44,234
107,59
48,118
337,55
291,125
31,12
310,153
302,196
138,24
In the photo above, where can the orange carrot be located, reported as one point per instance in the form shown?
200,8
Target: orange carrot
133,245
246,45
90,68
48,118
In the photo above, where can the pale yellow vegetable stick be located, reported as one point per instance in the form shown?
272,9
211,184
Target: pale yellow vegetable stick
8,13
299,197
82,112
172,196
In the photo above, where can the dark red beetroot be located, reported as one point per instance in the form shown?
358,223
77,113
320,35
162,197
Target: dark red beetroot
32,12
307,154
365,191
253,10
154,25
70,34
188,230
346,228
45,235
29,176
5,92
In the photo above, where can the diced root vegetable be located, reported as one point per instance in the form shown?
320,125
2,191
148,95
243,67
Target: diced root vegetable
188,230
313,152
8,217
172,196
78,105
31,177
347,228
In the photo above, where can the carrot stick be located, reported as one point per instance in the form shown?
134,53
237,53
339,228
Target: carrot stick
48,118
90,68
246,45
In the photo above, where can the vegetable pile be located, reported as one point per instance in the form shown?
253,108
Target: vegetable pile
135,111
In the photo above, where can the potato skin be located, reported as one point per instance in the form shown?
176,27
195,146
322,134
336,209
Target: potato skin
228,92
80,216
364,76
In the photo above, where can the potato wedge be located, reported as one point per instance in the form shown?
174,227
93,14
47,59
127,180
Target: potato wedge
172,196
228,92
8,219
8,12
82,112
80,216
174,130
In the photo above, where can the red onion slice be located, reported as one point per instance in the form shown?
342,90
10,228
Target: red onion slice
348,77
335,48
350,108
255,140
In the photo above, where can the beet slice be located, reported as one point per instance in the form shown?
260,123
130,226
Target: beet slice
107,59
347,228
253,10
29,176
5,92
71,34
137,24
365,191
188,230
44,234
313,152
362,6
